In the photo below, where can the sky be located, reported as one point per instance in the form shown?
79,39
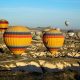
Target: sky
41,13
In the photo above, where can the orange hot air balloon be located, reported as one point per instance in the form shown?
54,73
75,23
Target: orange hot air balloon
17,38
3,25
53,40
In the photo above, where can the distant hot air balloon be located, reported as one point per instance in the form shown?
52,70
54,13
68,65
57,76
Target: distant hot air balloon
3,25
67,23
17,38
53,40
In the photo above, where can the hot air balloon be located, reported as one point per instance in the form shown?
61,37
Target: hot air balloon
67,23
53,40
17,38
3,25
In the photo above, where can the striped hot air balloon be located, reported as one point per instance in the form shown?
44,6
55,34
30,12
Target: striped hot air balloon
3,25
53,40
17,38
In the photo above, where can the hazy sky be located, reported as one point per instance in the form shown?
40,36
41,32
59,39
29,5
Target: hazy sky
36,13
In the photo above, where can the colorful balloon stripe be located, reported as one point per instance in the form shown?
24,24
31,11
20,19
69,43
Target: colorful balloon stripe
49,36
48,33
18,49
3,28
20,33
17,36
3,22
16,46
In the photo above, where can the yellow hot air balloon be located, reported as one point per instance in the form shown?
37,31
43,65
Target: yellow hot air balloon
3,25
17,38
53,39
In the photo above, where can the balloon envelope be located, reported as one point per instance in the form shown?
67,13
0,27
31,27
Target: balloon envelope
66,23
17,38
53,40
3,25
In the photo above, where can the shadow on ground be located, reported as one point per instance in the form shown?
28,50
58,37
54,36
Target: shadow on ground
32,72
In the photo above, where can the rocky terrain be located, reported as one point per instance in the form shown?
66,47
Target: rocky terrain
39,60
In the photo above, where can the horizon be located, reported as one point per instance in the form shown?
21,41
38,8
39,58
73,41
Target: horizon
41,13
